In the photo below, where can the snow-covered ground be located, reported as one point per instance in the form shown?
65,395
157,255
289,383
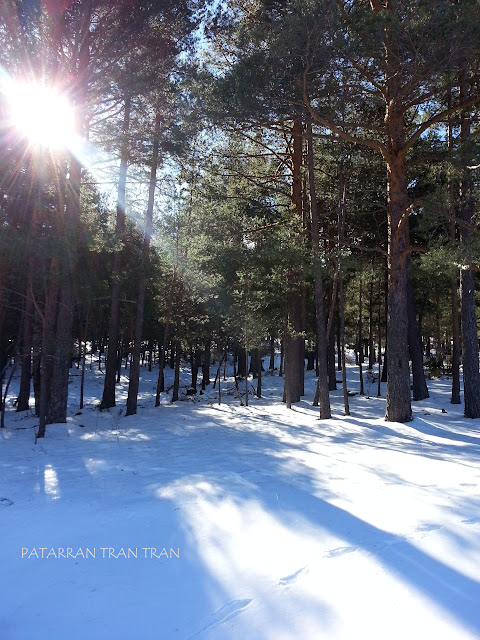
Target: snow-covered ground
242,523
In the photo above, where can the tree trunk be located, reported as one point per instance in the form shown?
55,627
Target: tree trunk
194,362
259,376
420,390
246,369
341,298
240,353
206,364
471,376
178,355
142,286
282,356
295,344
57,406
332,373
108,399
322,382
360,338
371,348
455,399
84,358
69,219
379,320
342,340
339,349
163,347
398,405
36,359
438,335
23,400
48,339
293,366
254,363
271,365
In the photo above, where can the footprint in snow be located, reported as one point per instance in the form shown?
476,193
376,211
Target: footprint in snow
471,521
287,580
229,611
6,502
340,551
428,527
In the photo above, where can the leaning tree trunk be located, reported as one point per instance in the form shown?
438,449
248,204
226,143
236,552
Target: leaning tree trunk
142,286
108,398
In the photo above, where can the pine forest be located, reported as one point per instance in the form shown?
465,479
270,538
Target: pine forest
262,213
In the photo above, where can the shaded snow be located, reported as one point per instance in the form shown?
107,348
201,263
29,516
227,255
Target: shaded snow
286,527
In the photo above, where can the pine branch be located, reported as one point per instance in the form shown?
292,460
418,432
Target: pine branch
438,118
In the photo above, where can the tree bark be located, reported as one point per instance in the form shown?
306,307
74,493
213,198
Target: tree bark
108,399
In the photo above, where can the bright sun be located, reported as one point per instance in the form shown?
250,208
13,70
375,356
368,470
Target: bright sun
42,115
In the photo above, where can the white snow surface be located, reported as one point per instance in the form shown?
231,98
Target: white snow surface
285,526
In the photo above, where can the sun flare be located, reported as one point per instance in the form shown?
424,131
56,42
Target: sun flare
42,115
